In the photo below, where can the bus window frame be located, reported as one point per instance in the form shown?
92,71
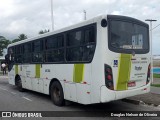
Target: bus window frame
129,20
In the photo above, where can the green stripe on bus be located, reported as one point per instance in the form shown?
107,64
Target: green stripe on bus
16,69
78,74
37,70
124,71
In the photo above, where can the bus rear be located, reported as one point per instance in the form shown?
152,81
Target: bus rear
127,59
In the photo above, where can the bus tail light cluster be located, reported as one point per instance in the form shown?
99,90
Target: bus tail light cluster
109,77
148,74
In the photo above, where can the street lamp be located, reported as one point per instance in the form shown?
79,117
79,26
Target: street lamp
151,20
84,11
52,19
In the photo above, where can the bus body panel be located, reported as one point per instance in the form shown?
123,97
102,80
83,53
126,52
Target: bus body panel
129,69
97,63
116,95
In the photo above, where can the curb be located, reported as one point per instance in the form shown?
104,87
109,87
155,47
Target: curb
3,76
138,102
155,90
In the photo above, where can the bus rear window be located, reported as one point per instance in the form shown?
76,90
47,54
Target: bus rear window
128,36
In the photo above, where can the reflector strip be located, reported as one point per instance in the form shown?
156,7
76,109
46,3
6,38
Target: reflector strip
78,74
124,72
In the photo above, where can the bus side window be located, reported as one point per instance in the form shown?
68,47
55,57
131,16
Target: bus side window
74,38
74,43
81,45
37,49
89,35
18,54
55,49
27,53
89,47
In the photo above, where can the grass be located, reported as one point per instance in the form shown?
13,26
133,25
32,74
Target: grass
156,75
155,85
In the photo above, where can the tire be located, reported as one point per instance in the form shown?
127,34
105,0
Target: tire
57,95
19,84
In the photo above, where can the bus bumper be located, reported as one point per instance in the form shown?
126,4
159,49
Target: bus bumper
110,95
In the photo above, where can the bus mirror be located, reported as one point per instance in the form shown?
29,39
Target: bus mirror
7,58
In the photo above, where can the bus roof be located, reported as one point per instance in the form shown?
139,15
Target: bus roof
82,23
86,22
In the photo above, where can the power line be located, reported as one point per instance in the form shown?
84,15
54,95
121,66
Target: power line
52,19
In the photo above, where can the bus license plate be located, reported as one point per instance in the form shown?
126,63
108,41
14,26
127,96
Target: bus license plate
131,84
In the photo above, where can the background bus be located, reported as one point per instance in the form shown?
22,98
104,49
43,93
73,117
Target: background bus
98,60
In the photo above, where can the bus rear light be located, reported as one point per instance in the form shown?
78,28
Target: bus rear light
84,82
148,75
109,70
108,77
145,88
110,86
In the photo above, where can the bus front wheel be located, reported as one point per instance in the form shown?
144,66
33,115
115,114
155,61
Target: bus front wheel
57,95
19,84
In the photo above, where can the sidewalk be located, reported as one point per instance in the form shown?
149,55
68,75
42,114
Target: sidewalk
152,98
3,76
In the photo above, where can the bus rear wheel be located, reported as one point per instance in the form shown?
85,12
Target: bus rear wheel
19,84
57,95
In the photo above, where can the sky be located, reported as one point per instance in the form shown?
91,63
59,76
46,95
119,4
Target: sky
31,16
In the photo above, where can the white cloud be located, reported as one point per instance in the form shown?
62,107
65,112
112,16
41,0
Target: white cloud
30,16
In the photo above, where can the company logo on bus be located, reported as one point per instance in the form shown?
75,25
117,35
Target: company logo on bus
115,63
138,68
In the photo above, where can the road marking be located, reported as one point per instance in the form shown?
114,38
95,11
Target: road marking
27,98
3,89
7,90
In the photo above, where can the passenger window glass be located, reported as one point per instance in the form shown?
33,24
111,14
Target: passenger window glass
89,36
18,54
55,55
27,53
74,38
37,57
81,45
74,54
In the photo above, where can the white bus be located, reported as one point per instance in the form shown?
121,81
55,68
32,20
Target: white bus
96,61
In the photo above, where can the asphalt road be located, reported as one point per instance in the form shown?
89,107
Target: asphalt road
13,100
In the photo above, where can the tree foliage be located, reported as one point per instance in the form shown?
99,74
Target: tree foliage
20,37
3,44
43,31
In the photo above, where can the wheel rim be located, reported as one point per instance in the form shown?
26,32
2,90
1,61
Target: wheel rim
19,83
56,94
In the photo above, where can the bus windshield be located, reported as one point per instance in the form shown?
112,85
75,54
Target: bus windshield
128,36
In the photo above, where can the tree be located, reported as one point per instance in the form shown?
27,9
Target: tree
43,31
15,40
22,36
3,44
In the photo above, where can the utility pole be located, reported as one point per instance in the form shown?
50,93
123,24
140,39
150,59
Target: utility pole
151,20
52,19
84,11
